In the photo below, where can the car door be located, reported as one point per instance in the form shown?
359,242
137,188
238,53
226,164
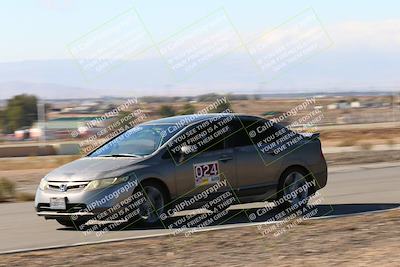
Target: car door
257,172
209,164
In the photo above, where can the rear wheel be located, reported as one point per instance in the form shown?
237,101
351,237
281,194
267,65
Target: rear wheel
294,191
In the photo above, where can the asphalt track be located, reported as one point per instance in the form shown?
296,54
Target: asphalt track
350,190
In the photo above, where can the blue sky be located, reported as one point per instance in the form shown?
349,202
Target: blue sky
34,53
41,29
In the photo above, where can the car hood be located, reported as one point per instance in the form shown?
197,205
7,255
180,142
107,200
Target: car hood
87,169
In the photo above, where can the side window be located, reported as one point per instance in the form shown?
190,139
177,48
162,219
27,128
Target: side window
216,133
269,136
248,132
238,136
204,136
262,130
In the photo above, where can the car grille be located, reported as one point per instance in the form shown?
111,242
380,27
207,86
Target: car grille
66,186
71,208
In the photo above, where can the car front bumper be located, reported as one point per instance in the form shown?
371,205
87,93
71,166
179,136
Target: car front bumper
80,203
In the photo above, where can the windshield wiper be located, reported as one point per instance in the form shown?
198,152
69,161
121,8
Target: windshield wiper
121,156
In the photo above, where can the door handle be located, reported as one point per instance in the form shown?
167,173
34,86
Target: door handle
225,158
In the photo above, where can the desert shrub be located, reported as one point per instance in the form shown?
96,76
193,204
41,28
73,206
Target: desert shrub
7,189
348,142
390,142
366,146
166,111
187,109
25,196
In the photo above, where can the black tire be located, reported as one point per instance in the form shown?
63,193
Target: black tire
300,176
152,211
68,222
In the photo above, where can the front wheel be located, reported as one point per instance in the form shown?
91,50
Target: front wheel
154,205
71,223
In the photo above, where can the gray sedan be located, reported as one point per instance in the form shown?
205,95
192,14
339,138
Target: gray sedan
161,166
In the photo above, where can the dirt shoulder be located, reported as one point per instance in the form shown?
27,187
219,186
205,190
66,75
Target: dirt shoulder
361,157
361,240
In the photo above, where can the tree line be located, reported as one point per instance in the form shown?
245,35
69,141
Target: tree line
20,111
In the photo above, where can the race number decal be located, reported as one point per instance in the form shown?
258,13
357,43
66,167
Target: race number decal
206,173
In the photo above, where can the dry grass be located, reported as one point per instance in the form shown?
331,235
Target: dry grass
36,162
362,157
348,142
349,137
390,142
366,146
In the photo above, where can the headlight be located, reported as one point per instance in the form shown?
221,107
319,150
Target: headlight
103,183
43,184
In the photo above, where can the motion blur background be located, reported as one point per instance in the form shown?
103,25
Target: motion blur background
73,74
66,63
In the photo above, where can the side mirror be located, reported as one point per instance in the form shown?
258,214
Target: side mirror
186,150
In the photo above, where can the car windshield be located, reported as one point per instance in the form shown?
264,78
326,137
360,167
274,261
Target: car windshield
139,141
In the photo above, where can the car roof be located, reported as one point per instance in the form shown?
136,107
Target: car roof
184,120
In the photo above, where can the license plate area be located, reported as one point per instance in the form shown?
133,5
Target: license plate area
58,203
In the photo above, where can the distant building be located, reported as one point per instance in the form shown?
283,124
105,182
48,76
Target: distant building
355,104
344,105
332,106
63,127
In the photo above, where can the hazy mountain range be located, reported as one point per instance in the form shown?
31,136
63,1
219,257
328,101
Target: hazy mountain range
236,73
